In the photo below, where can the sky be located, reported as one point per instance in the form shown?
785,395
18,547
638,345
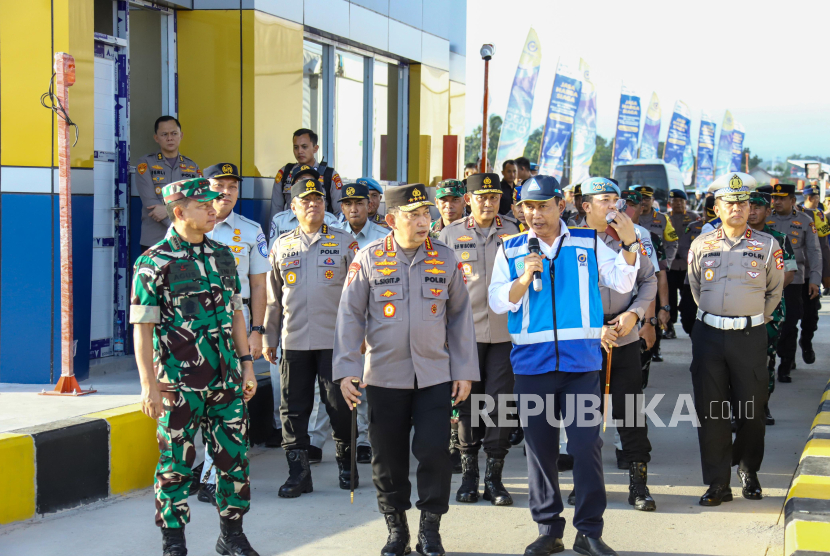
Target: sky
712,54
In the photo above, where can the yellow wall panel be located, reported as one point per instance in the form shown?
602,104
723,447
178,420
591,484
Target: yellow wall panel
134,450
414,170
430,94
25,69
74,25
17,477
272,91
209,85
458,104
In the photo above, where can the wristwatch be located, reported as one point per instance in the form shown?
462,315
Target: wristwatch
665,308
244,358
631,248
652,321
260,329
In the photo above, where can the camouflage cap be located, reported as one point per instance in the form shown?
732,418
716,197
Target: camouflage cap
644,190
450,188
197,189
633,196
759,198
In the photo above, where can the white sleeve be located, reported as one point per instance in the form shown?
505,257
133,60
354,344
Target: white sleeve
499,290
614,271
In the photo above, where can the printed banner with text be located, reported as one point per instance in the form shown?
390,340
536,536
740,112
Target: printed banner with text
516,127
564,99
738,134
585,128
724,157
678,136
628,129
705,153
651,129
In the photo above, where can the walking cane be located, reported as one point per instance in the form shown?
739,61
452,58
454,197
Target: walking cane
356,384
607,389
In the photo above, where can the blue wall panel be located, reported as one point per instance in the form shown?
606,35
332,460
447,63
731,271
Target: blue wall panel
26,288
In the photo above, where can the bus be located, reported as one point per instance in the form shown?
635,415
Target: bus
654,173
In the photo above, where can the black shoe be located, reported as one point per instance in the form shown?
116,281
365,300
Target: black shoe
455,453
807,352
232,541
274,439
196,479
544,545
207,493
784,372
638,494
343,456
468,491
715,495
516,436
572,498
751,487
429,538
592,547
364,454
655,357
565,463
669,333
315,454
397,543
768,416
299,475
172,542
494,490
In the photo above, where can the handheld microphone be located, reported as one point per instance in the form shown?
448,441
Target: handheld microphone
533,247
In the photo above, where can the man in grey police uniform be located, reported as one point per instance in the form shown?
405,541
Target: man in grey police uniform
354,206
406,296
246,241
656,221
800,230
375,196
156,170
736,275
620,336
475,241
680,219
308,267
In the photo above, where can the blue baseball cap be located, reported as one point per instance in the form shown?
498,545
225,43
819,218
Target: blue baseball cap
371,184
541,188
678,194
599,186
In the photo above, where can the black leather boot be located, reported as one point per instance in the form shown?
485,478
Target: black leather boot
715,495
572,498
455,453
591,546
172,542
516,436
343,456
565,462
638,494
299,475
232,541
494,490
397,544
468,491
544,545
429,538
807,352
751,487
768,418
784,371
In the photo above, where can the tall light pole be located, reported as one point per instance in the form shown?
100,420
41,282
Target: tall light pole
486,52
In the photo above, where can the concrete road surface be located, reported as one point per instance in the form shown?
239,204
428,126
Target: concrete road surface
324,523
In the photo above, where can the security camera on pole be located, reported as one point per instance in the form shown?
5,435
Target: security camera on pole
487,52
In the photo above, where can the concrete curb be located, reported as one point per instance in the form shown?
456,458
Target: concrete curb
77,461
807,508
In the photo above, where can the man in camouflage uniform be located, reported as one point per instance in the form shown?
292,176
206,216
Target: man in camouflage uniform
759,211
190,333
449,199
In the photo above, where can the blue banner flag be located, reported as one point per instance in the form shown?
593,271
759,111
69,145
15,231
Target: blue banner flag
737,148
679,135
724,158
628,129
564,99
516,127
651,129
705,153
585,128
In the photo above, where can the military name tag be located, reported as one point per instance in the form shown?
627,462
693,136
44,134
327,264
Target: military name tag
184,270
224,263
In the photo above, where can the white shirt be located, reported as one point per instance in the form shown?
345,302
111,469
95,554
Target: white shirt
286,221
369,233
614,272
645,241
248,244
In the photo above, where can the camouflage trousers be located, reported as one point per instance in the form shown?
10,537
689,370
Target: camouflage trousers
773,333
223,418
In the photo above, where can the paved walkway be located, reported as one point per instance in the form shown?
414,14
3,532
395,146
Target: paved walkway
324,523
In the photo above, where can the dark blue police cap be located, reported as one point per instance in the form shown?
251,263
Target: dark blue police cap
807,191
678,194
541,188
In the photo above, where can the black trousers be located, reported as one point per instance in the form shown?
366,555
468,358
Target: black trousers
298,371
496,380
584,444
626,389
729,367
809,320
675,279
794,298
392,415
